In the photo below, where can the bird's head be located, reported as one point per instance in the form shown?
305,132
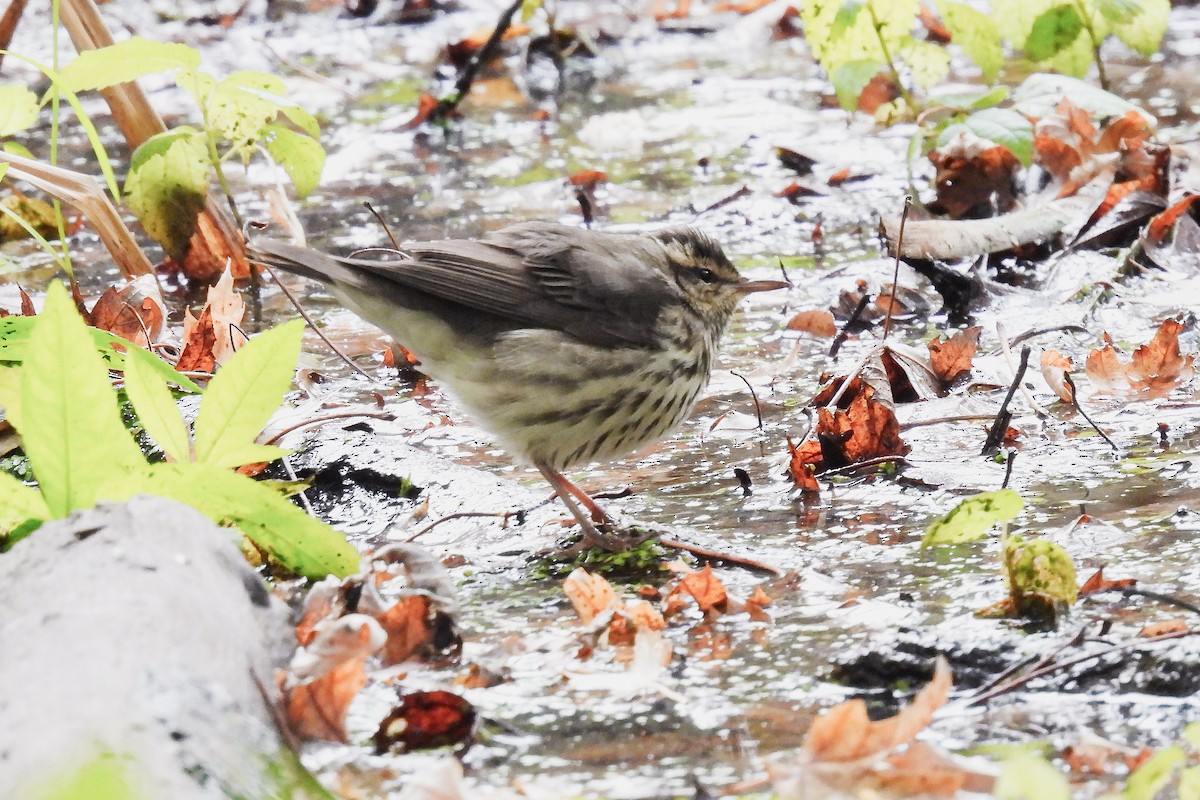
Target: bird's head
707,280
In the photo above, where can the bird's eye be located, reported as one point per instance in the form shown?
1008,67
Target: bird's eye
706,275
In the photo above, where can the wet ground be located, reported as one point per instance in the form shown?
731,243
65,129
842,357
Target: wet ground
681,121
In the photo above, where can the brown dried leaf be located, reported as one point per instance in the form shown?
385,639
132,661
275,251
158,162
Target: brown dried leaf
951,358
1158,365
589,594
1162,628
1055,367
818,322
1105,371
317,709
707,589
198,343
27,309
845,733
408,629
426,720
134,312
1098,583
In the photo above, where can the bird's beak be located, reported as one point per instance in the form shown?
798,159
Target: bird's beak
749,287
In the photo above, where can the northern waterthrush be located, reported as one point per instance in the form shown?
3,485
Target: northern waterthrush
569,345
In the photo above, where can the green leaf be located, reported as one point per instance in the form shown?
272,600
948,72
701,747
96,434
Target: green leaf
85,122
1052,32
14,340
1039,567
253,454
156,409
241,105
1000,125
245,392
105,777
18,108
19,503
167,186
974,517
976,34
301,156
1189,784
1116,11
1191,735
1025,776
1040,94
851,78
1154,773
17,149
126,61
974,101
928,62
108,343
10,395
529,8
300,543
1144,30
75,441
302,120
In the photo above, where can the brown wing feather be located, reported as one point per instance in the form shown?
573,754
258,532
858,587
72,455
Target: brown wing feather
603,288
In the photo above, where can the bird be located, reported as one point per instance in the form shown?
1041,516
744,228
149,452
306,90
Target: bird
569,345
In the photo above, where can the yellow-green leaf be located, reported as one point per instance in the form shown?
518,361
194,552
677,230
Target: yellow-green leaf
300,543
75,441
245,392
167,186
156,409
1039,567
976,34
18,108
19,503
301,156
973,518
126,61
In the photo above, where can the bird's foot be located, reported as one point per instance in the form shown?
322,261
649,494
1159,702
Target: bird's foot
608,540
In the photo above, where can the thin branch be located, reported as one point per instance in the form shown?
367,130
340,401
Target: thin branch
467,77
320,334
991,445
1075,402
887,321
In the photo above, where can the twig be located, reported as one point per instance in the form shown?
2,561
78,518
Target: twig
502,515
328,418
753,395
887,320
383,224
1049,668
467,77
1075,402
320,334
1170,600
717,555
1008,467
857,465
840,339
991,445
1006,348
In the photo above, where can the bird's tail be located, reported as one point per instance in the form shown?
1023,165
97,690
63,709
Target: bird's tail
309,263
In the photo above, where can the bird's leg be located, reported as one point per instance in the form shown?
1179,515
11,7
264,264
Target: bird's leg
569,493
562,483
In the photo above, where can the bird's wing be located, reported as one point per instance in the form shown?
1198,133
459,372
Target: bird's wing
593,286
